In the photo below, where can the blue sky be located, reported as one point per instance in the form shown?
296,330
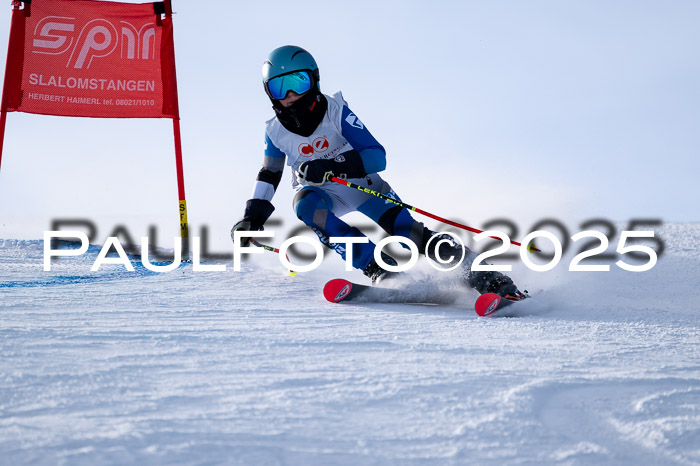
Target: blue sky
524,110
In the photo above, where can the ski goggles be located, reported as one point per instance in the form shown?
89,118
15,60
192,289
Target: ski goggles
298,82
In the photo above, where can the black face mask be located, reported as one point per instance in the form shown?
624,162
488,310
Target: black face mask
304,115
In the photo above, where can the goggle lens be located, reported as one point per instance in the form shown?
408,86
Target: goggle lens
299,82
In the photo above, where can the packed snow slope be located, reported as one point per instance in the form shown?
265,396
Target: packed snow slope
255,367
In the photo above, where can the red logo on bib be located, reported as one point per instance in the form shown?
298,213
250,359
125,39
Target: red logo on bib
305,149
321,144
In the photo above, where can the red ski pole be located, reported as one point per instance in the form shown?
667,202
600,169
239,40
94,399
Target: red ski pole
334,179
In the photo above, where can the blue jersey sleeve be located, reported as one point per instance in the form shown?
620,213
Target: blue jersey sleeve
354,131
272,150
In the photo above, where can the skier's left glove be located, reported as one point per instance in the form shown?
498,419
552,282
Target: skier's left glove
346,165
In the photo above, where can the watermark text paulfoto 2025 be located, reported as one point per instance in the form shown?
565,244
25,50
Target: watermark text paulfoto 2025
594,245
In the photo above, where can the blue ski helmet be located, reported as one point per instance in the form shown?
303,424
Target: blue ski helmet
290,68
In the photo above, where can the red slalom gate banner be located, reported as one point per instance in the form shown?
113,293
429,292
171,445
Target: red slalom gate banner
91,59
85,58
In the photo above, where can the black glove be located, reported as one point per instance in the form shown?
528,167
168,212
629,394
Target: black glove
257,211
346,165
242,225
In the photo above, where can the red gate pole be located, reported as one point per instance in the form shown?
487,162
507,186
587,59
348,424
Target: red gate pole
184,228
170,90
3,119
13,65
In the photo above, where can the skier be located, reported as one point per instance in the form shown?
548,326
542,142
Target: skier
317,134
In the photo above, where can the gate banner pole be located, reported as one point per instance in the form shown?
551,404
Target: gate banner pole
184,228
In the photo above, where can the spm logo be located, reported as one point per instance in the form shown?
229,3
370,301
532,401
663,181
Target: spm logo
57,35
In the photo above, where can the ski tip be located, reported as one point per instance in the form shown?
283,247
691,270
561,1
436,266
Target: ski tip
337,290
487,304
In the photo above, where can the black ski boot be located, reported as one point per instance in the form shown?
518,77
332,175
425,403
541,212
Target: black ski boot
483,282
376,273
493,282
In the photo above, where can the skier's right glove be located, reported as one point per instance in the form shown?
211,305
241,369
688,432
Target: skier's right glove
257,211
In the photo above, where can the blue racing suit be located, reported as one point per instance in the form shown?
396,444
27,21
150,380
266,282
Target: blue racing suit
320,207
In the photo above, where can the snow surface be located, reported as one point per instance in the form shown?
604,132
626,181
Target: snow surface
255,367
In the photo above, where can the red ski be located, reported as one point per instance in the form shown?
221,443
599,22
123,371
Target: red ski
488,304
340,290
